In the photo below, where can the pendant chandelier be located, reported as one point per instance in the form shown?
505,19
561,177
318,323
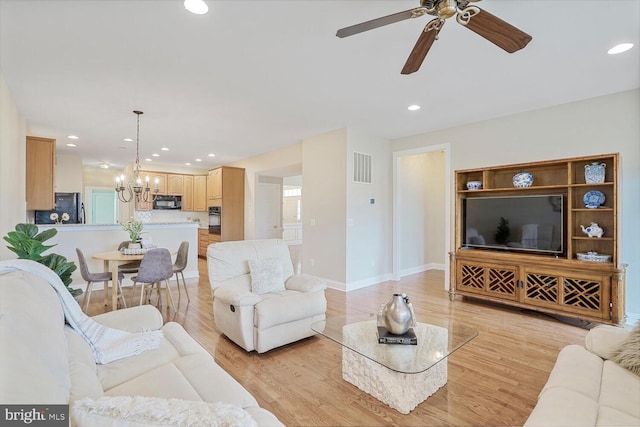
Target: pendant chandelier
126,193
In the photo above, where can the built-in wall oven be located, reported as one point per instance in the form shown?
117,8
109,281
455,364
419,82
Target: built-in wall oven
215,216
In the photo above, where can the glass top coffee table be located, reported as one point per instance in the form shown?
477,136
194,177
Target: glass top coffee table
400,375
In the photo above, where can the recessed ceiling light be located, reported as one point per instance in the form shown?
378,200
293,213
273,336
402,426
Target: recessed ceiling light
187,164
103,165
413,107
155,155
72,137
164,149
128,140
199,7
211,155
198,160
622,47
70,144
148,160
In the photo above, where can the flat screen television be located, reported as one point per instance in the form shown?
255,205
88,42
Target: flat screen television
515,223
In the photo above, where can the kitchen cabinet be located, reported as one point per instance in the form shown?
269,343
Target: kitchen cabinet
40,164
225,188
187,192
214,185
200,193
203,242
175,184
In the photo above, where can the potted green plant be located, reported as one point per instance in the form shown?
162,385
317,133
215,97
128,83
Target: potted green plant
135,228
27,243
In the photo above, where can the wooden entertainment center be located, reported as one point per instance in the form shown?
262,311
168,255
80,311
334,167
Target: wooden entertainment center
558,284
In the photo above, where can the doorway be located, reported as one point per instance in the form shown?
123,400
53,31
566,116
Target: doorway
102,206
421,210
269,203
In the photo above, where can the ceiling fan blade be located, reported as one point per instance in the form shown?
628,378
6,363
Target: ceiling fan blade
420,50
380,22
494,29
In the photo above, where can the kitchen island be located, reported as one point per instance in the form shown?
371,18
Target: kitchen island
94,238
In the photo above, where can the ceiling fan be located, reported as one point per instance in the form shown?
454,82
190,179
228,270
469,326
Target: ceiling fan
492,28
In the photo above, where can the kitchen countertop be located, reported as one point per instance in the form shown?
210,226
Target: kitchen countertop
149,225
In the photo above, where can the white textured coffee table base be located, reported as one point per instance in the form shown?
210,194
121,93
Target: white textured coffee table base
400,391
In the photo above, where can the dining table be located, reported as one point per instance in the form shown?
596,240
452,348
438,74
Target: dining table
112,259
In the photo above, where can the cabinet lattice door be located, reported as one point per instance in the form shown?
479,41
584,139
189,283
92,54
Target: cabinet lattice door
488,280
577,294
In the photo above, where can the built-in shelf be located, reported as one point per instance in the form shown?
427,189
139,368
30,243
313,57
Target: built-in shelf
559,284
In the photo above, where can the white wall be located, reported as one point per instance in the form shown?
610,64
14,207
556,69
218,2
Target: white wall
68,174
369,225
606,124
324,206
13,133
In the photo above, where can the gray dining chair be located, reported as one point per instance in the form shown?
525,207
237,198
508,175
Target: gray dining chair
180,265
91,278
129,267
156,267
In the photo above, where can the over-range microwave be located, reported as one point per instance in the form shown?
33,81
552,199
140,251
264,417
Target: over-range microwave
167,202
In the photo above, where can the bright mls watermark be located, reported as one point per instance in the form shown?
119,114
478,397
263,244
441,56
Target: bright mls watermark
36,415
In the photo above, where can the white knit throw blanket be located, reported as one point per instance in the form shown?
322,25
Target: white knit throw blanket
107,344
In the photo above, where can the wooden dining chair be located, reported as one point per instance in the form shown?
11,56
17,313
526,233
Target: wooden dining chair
91,278
156,267
180,265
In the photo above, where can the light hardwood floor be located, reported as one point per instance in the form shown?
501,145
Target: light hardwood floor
493,381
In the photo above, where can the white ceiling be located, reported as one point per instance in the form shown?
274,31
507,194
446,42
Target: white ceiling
253,76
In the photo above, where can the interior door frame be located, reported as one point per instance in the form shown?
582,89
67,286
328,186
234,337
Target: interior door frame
397,198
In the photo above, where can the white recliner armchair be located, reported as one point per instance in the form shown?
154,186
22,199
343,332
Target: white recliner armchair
258,301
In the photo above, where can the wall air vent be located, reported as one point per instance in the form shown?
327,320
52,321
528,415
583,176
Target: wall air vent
361,168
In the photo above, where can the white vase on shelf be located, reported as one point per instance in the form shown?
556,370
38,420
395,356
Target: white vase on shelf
594,173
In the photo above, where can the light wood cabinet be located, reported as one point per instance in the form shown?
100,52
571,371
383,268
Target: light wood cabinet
200,193
175,184
557,284
159,181
214,185
225,188
187,192
40,158
203,242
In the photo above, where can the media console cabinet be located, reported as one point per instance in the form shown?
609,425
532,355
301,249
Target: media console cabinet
560,283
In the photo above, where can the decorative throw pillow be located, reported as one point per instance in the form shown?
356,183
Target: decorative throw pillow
627,354
135,411
267,275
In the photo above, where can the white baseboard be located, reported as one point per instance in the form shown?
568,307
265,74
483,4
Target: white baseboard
421,268
352,286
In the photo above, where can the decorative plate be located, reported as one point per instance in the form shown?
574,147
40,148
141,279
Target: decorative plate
593,199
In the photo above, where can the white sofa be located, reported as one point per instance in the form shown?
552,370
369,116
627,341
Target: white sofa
586,389
42,361
262,320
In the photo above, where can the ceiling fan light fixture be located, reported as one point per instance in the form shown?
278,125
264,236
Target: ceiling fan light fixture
447,8
619,48
198,7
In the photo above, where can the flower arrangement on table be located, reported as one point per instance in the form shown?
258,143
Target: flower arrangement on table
54,217
135,228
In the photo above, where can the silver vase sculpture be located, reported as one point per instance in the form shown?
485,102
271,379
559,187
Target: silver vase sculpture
398,315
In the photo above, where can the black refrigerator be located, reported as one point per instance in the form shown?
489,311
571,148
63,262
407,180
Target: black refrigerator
70,203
